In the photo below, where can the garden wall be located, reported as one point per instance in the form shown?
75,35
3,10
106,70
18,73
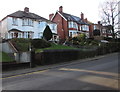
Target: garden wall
7,47
22,57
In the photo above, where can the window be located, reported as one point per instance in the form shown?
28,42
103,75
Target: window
30,22
12,35
53,27
15,22
70,24
73,25
95,27
85,27
27,22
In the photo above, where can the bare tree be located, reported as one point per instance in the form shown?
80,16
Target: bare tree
109,14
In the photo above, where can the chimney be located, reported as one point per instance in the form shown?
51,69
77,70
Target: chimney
86,20
82,16
26,9
60,9
50,16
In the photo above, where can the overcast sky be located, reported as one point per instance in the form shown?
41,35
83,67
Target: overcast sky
45,7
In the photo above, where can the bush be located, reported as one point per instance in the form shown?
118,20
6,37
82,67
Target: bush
81,37
40,43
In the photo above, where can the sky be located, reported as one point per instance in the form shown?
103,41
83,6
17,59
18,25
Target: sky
90,8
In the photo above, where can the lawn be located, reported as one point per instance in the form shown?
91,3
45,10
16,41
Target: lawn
4,57
55,46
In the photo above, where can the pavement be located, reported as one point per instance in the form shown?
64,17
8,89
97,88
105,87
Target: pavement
52,66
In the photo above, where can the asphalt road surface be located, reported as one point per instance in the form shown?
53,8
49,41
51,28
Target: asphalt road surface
99,74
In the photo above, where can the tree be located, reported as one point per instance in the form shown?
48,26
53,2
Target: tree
109,14
47,34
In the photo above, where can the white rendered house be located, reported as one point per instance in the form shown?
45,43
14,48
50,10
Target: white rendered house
23,24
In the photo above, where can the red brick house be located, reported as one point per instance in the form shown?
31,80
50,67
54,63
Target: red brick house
69,25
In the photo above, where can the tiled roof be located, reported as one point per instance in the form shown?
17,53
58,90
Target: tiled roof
73,18
22,14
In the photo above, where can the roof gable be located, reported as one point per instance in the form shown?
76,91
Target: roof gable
59,14
69,17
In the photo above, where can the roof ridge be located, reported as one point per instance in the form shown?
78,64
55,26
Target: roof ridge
71,15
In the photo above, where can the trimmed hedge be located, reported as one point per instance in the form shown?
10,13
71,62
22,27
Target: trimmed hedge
56,56
40,43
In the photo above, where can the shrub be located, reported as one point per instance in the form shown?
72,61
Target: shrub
47,34
81,37
40,43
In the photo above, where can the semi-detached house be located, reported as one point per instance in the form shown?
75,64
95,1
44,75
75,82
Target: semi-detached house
24,24
69,25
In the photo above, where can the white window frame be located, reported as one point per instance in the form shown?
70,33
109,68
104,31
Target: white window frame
15,21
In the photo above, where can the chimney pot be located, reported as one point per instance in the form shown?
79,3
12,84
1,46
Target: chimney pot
82,16
60,9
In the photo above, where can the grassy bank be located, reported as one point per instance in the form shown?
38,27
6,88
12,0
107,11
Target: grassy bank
4,57
55,46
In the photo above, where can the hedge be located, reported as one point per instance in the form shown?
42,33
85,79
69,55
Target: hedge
40,43
56,56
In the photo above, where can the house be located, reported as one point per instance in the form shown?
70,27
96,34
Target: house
24,24
91,26
98,27
69,25
107,31
104,30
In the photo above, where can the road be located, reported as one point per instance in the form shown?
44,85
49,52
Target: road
99,74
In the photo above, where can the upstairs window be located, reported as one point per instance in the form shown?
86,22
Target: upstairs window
27,22
73,25
70,24
15,21
85,27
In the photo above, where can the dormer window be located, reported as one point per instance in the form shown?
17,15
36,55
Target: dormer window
15,21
